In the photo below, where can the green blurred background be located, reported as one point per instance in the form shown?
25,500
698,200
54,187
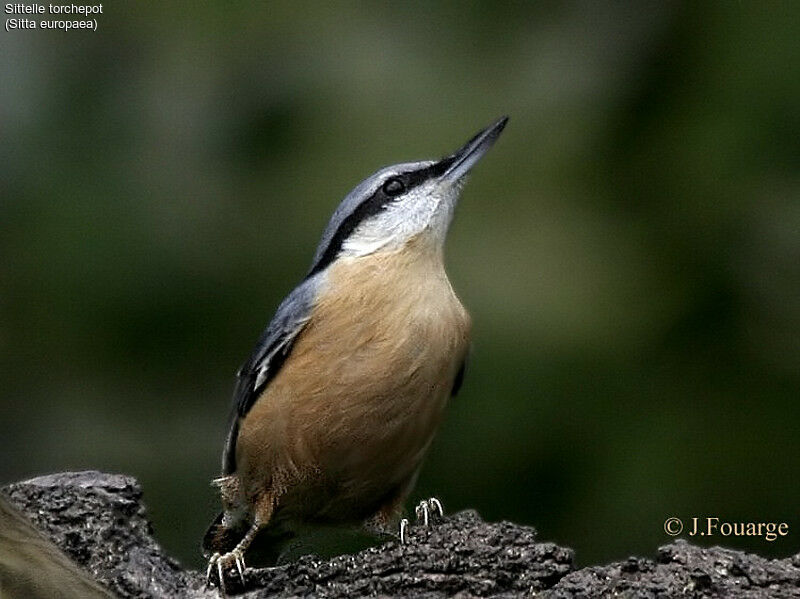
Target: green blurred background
629,250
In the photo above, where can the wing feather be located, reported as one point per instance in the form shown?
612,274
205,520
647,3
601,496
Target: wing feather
271,351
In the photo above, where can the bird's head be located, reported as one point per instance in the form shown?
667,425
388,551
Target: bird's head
398,203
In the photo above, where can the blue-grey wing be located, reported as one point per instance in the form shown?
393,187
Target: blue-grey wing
271,351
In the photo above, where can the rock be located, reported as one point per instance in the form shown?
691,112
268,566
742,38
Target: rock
32,567
99,520
684,570
460,555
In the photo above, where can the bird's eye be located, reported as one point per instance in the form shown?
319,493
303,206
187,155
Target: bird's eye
393,187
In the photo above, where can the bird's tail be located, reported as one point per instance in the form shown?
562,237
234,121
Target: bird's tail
266,550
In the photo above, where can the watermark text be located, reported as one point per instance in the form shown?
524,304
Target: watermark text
711,526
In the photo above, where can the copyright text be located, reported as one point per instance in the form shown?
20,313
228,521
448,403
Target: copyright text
710,526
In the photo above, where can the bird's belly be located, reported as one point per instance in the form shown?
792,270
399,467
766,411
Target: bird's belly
360,433
348,419
377,438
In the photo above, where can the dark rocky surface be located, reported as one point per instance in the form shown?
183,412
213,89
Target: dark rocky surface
99,520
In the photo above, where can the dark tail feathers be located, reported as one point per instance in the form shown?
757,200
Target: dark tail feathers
220,538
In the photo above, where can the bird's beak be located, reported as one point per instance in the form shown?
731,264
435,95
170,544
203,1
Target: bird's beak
459,163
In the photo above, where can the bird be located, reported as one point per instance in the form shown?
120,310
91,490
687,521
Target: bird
339,401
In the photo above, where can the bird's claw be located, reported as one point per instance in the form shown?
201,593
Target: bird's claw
403,530
212,560
427,511
220,562
427,508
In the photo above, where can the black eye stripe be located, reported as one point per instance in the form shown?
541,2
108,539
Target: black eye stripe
373,205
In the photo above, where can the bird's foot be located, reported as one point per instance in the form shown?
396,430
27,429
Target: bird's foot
429,509
427,512
403,531
219,563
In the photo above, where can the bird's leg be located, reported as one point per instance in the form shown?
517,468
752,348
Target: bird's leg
428,508
235,557
384,519
427,511
403,529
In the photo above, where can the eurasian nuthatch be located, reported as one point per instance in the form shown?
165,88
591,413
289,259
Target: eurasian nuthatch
336,407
